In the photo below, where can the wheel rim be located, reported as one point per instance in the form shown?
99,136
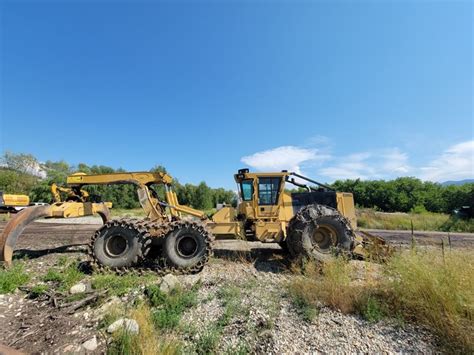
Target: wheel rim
116,246
324,237
186,246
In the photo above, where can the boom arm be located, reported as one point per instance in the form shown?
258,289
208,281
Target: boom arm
150,203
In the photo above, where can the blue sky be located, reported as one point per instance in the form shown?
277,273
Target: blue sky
333,89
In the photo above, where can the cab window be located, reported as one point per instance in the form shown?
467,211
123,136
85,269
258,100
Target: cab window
247,189
268,189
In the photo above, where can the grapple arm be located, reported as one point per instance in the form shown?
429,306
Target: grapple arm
18,223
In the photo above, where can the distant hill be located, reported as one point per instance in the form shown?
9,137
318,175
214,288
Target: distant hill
458,182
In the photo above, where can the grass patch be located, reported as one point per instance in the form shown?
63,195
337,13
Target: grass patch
426,221
147,341
169,307
119,285
208,341
66,277
328,284
38,290
229,296
13,277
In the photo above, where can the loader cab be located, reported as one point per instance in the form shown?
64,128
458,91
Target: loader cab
259,193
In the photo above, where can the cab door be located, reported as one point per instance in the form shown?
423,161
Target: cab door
268,193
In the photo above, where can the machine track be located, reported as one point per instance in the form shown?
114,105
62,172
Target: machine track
152,230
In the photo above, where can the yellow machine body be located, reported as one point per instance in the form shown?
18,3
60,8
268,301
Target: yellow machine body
266,207
10,200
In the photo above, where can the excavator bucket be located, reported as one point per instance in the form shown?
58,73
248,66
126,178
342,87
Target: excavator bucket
19,222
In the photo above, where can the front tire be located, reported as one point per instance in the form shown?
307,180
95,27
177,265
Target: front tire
317,232
120,243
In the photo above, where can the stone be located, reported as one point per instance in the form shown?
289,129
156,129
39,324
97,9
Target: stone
168,283
91,344
78,288
130,325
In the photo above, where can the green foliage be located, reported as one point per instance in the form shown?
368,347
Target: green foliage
373,310
208,340
15,182
428,221
64,277
38,290
169,307
118,284
13,277
304,307
407,194
229,296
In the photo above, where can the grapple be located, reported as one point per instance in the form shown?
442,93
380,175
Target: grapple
18,223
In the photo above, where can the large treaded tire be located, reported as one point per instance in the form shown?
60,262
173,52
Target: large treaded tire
303,227
120,243
187,247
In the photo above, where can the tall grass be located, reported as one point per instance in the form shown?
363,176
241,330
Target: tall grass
426,221
436,290
428,287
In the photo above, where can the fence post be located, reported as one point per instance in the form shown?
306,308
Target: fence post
412,236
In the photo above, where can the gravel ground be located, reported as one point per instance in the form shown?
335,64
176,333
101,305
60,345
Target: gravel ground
256,274
268,322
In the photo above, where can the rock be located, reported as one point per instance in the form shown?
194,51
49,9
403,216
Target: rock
130,325
70,349
90,344
78,288
168,283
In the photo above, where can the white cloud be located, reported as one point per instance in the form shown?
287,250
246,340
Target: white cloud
351,167
455,163
395,162
283,158
387,163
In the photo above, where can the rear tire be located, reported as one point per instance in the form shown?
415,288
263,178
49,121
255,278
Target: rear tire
317,232
188,246
120,243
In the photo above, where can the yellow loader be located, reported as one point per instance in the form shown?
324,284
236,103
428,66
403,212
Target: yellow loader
316,222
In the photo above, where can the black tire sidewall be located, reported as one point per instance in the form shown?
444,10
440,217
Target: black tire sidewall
130,257
169,248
